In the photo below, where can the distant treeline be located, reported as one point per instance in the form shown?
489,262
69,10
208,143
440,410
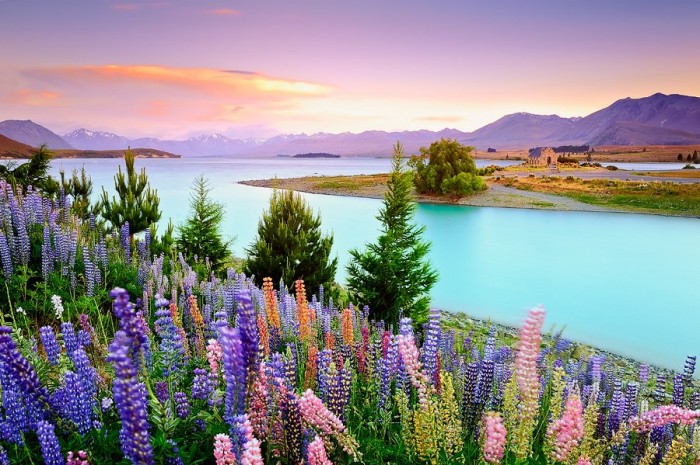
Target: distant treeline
315,155
571,149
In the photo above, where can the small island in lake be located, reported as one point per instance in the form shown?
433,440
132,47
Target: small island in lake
312,155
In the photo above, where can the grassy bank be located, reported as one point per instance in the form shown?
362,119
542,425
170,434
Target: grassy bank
636,196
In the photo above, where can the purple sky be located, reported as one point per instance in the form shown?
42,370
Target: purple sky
256,68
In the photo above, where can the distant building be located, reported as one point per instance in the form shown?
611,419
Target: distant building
542,156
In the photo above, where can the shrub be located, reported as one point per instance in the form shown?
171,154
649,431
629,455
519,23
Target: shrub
611,168
438,164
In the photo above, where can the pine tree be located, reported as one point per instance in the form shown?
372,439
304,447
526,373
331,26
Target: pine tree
137,202
290,246
393,273
201,236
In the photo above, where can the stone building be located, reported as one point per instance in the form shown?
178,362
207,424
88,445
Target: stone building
542,156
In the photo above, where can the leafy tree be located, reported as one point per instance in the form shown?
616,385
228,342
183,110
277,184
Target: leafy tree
137,202
290,246
34,173
201,234
446,168
394,272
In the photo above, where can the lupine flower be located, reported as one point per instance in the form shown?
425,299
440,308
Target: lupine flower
431,343
234,371
248,328
494,437
182,405
678,390
223,452
51,347
202,386
316,453
50,449
214,355
273,315
291,421
303,317
106,403
125,241
70,340
5,256
317,415
643,373
409,357
172,347
57,306
133,325
252,455
175,458
347,328
4,459
566,433
77,458
664,415
258,406
688,369
130,399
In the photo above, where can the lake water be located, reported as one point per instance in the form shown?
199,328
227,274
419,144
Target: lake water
624,282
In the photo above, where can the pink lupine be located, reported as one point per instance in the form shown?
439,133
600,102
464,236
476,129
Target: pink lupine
214,354
223,452
317,415
566,433
258,406
316,453
251,453
526,359
494,437
662,416
583,460
409,355
78,458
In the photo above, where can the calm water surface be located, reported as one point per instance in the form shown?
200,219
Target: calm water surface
624,282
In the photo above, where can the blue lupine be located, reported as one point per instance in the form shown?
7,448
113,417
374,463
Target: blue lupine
678,389
246,322
234,365
133,325
16,418
48,339
471,377
47,258
182,404
78,404
617,406
4,459
643,373
70,339
484,385
202,385
5,256
125,241
689,368
631,394
131,402
430,346
323,365
172,348
660,388
174,458
50,449
90,272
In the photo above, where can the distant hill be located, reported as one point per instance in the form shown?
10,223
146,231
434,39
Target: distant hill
655,120
12,149
138,153
30,133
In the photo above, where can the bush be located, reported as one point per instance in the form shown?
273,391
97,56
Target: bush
611,168
567,160
438,164
689,167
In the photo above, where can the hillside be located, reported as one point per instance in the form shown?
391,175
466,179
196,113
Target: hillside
138,152
30,133
12,149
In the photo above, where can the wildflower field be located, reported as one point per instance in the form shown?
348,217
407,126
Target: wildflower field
114,352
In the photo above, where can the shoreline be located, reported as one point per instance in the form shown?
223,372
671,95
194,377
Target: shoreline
496,196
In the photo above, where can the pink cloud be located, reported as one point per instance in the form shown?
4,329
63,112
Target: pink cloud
33,97
224,12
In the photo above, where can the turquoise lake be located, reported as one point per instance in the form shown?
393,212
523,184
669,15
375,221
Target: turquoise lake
623,282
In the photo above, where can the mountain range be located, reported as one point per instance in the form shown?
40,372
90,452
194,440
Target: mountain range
655,120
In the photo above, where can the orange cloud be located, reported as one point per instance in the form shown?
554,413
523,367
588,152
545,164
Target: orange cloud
33,97
224,12
231,84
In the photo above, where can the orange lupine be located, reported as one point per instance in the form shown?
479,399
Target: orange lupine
177,319
347,328
310,377
330,340
198,325
302,311
264,335
273,314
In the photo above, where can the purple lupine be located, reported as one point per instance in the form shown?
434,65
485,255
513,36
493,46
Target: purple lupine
202,385
70,339
250,337
87,328
291,422
694,403
172,348
644,373
78,458
323,366
131,402
48,339
174,457
90,271
50,449
4,459
77,405
471,377
631,394
162,392
431,344
182,404
617,405
16,418
596,363
678,389
47,257
234,372
87,373
484,386
5,256
660,388
133,325
125,241
689,368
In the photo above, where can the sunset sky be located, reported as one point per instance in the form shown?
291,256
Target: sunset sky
257,68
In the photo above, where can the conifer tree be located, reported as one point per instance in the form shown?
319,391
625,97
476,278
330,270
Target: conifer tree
290,246
201,236
79,187
137,203
394,273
